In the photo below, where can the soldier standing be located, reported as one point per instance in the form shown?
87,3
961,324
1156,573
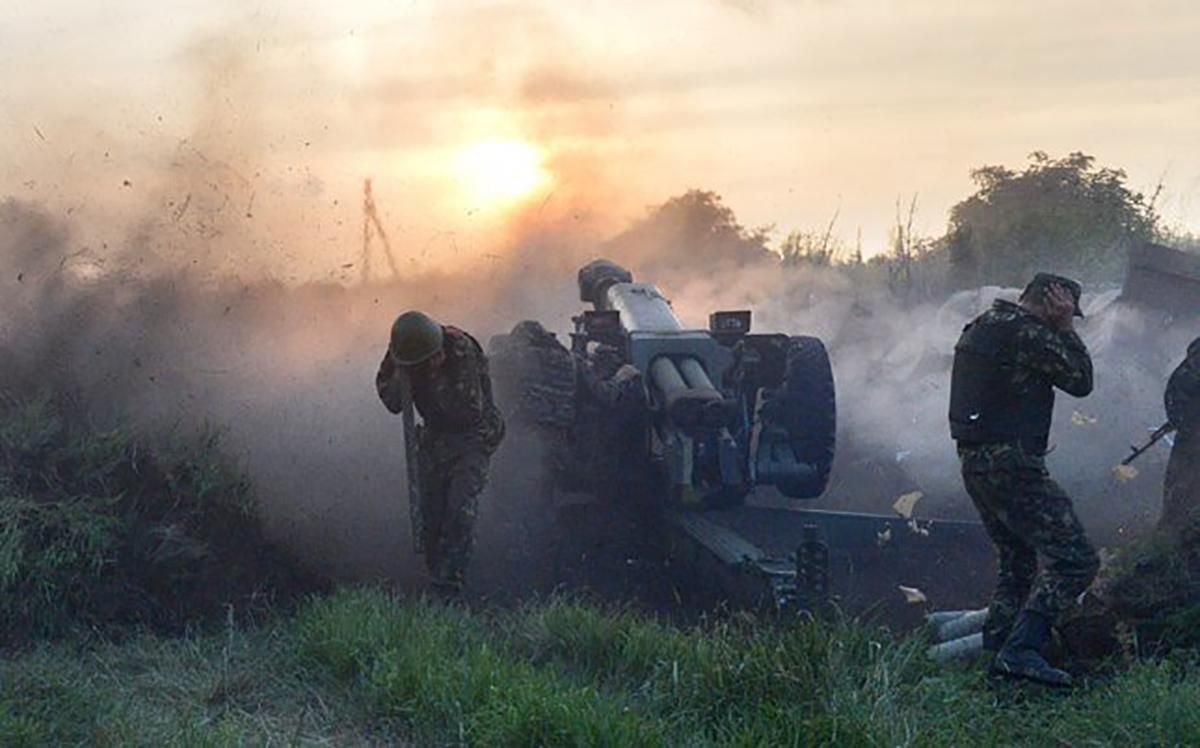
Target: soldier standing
450,386
1181,489
1007,364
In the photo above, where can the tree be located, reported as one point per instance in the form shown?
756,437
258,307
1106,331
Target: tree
695,230
816,249
1061,215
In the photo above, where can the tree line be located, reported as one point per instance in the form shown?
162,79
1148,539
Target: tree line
1067,215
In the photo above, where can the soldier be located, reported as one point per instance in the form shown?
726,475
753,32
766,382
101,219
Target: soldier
1181,489
1007,364
462,428
615,405
535,386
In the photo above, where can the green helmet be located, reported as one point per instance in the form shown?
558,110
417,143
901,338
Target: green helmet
415,338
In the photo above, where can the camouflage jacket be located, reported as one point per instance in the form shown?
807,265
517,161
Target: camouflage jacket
1182,398
455,401
620,390
1006,366
534,376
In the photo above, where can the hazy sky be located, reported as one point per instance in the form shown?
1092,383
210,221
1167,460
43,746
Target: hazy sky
793,110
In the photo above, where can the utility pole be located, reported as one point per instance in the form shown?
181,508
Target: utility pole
371,226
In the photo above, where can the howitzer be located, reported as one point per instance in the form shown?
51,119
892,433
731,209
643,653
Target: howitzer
412,463
726,409
1155,437
710,416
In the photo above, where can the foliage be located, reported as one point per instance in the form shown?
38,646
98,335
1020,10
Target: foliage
230,688
1153,587
364,667
695,229
97,528
1064,215
816,249
437,672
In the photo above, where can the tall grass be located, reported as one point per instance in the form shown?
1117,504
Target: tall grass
441,674
568,674
100,528
366,667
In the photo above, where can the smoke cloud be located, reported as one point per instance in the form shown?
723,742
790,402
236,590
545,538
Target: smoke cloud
892,366
211,270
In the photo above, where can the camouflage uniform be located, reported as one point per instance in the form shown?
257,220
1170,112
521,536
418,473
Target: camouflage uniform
1007,364
535,386
615,422
462,428
1181,489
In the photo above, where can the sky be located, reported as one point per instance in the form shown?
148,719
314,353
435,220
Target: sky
252,125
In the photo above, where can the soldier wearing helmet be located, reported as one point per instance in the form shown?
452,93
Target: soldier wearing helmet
452,391
1007,364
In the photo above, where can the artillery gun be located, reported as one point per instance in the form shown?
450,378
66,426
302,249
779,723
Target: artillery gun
726,409
689,422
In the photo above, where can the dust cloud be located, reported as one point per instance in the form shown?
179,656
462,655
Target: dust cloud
892,366
201,278
211,266
287,370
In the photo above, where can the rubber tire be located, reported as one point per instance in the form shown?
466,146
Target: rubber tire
810,413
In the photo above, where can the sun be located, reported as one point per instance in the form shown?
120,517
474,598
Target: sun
496,172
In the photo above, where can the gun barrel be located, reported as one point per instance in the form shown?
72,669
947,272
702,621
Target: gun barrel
694,374
666,377
691,400
642,307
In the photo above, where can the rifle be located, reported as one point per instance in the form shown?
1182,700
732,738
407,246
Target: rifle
1155,437
411,457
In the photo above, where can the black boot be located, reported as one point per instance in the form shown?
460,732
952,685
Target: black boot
1021,655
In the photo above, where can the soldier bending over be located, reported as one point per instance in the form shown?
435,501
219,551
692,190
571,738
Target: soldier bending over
462,428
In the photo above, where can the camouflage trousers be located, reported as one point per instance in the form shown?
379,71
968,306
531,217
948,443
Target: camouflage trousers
1181,487
452,478
1030,519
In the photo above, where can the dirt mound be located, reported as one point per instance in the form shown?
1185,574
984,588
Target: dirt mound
105,528
1145,601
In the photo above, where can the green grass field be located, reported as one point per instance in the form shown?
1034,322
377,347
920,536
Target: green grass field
363,667
116,562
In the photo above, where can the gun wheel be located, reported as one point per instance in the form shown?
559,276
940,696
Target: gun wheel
810,413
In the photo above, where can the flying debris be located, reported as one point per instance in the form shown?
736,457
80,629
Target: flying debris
905,504
1124,473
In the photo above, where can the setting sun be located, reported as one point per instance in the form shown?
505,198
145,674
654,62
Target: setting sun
499,171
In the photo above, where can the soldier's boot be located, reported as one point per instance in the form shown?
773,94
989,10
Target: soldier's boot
1021,655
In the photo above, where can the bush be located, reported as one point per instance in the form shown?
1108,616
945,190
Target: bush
98,528
1063,215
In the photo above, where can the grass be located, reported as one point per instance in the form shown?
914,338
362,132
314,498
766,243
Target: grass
361,666
112,528
124,578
